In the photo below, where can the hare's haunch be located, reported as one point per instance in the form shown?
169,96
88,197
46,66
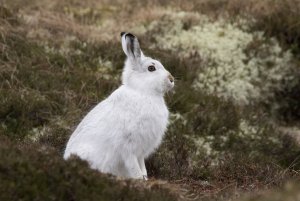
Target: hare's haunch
121,131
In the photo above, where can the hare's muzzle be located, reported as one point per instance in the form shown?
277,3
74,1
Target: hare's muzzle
171,78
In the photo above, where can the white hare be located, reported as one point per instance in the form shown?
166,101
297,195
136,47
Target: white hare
120,132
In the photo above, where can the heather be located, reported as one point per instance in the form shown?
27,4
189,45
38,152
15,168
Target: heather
234,123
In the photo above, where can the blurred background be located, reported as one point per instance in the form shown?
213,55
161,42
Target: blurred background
234,130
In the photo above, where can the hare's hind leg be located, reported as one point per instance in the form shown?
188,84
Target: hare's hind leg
143,167
111,164
132,167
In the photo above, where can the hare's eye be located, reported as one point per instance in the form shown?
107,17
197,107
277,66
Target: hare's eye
151,68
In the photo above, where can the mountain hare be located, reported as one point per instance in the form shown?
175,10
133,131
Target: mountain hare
120,132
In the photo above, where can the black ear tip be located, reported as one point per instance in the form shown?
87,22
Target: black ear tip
130,35
122,33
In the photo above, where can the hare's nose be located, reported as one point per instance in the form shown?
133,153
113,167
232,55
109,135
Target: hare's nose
171,78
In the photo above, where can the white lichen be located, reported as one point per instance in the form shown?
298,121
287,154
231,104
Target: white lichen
36,133
237,64
246,130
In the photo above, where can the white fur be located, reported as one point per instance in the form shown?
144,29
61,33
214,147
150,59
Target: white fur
121,131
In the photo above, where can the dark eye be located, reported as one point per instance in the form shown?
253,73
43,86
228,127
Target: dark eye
151,68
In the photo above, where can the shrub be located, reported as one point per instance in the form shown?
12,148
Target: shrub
38,173
41,83
206,130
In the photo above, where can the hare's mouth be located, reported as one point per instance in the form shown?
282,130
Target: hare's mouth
169,86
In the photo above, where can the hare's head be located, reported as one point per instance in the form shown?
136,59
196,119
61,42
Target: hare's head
143,73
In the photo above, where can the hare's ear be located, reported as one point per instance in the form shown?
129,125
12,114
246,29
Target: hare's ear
131,46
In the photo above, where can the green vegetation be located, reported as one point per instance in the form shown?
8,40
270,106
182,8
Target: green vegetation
38,173
225,139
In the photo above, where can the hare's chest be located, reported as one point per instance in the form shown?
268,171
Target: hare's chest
154,118
148,114
151,125
140,119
